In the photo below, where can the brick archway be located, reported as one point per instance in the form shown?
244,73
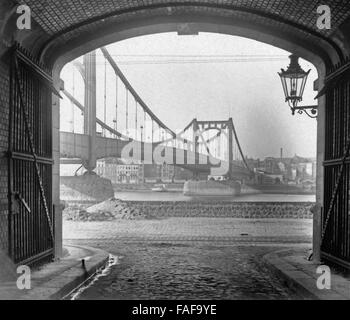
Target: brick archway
61,33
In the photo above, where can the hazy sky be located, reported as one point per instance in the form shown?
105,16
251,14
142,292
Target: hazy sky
250,92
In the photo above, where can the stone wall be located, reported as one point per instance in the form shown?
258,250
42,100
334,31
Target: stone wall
299,210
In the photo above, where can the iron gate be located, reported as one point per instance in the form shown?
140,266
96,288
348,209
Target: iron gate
335,217
31,238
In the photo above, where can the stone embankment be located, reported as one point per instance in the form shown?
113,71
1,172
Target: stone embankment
299,210
112,209
108,210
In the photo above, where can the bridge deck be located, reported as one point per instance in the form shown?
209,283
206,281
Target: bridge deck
76,146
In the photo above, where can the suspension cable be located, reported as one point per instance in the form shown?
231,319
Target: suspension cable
116,103
105,97
136,128
72,104
127,110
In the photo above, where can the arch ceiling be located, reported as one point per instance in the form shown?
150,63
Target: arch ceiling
66,21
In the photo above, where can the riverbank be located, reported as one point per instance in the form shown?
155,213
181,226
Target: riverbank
176,196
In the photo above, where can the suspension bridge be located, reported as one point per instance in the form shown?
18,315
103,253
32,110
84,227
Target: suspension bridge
134,133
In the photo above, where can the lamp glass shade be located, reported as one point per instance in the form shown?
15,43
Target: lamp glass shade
293,81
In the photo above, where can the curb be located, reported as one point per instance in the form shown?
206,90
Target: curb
297,280
98,260
64,283
275,264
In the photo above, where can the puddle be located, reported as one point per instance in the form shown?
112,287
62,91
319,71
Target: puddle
102,272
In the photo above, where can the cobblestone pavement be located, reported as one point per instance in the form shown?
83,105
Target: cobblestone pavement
162,267
193,270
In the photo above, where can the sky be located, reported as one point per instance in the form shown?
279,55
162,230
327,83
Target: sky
161,69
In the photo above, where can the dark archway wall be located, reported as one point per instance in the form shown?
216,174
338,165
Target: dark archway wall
61,25
295,21
63,30
4,107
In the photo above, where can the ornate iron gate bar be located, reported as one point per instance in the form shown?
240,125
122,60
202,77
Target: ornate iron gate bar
32,150
31,232
336,189
335,162
335,244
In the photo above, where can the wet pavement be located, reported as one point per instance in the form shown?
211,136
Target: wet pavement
216,267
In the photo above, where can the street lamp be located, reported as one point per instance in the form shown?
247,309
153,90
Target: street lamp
293,82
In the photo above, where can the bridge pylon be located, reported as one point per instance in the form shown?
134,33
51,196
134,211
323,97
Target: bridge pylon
195,140
89,71
230,148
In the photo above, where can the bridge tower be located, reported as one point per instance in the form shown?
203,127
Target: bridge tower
89,71
200,144
195,140
230,147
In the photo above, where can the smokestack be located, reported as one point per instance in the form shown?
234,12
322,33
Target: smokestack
281,153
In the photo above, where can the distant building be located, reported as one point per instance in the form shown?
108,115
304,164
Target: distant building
266,178
295,169
271,165
119,172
